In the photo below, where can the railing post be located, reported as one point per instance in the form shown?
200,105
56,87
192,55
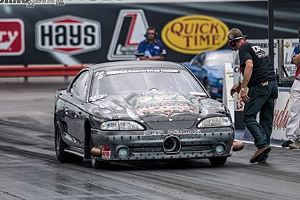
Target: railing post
66,77
25,77
271,31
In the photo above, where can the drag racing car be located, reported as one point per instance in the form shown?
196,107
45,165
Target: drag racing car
140,110
209,67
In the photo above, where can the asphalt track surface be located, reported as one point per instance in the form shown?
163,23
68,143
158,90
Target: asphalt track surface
29,169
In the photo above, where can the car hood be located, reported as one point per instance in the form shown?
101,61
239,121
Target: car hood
158,107
216,70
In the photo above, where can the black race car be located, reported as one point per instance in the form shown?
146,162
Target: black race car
140,110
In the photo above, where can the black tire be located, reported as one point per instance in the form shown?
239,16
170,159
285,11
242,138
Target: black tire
60,146
96,164
217,161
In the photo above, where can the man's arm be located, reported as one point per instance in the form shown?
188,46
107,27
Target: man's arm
140,52
235,88
247,73
296,59
156,58
143,58
163,52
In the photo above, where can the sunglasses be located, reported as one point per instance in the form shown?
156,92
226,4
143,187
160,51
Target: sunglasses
231,43
150,33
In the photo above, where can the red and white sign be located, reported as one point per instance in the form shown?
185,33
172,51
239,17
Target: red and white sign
129,32
281,114
11,37
68,35
106,155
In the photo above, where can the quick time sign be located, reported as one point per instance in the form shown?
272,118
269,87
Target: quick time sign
11,37
194,34
68,34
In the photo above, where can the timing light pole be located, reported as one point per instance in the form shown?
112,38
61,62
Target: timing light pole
271,31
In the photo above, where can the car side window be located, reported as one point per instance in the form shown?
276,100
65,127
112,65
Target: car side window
195,60
201,59
198,60
79,87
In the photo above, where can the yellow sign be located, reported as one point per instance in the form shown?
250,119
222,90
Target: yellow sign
196,33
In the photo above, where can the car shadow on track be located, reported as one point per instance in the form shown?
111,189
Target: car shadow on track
153,165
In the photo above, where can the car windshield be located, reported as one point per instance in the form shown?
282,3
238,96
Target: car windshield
218,58
118,82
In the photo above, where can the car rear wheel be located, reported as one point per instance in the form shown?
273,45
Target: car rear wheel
217,161
60,146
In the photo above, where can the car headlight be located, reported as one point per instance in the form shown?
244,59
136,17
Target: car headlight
215,122
220,81
121,125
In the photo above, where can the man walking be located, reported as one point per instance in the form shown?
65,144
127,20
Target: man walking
258,90
293,126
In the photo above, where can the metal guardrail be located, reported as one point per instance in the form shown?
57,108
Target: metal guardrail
39,70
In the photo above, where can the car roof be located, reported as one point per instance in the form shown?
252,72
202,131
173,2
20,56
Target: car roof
136,64
225,51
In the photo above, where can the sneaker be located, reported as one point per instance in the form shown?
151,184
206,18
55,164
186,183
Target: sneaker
294,145
259,154
287,143
237,145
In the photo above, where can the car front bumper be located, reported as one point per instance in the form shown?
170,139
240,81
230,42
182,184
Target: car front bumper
151,145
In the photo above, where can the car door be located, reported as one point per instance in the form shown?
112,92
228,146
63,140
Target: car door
75,108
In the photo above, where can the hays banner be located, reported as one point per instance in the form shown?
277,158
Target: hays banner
95,33
68,35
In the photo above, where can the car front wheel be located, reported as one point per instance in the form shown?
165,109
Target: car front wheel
96,164
217,161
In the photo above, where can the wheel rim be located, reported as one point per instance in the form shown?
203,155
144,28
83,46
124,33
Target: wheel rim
93,161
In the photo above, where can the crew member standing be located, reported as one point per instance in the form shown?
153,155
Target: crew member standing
293,126
258,90
151,48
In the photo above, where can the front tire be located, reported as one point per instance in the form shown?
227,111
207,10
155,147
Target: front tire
96,164
217,161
